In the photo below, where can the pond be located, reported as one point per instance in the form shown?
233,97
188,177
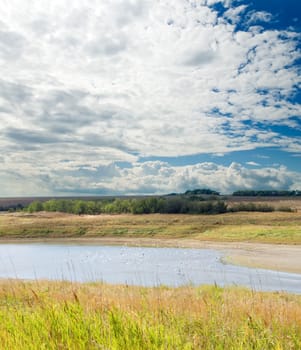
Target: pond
135,265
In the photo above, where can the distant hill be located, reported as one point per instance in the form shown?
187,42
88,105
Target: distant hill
266,193
196,192
201,191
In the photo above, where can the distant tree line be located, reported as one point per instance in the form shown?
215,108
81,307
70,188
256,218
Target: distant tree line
198,201
12,207
151,205
266,193
201,191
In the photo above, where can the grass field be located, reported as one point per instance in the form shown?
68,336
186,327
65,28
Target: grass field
61,315
275,227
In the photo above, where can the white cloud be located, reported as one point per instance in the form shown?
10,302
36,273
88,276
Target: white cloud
148,177
234,13
259,16
106,81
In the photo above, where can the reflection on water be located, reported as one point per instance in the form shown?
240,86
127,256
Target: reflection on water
131,265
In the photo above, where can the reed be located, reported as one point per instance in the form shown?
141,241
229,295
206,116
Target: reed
65,315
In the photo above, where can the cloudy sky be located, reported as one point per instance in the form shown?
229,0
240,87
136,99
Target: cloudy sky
149,96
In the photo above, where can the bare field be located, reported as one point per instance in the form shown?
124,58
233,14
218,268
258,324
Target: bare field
277,202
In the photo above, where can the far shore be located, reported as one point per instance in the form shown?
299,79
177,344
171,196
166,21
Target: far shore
278,257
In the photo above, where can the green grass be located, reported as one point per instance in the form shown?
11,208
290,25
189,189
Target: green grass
255,233
60,315
273,227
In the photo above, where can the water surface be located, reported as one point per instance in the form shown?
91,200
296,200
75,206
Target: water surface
138,266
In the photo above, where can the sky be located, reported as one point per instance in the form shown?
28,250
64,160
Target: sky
103,97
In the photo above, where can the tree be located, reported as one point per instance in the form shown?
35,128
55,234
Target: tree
35,206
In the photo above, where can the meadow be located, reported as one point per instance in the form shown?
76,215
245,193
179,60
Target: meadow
273,227
64,315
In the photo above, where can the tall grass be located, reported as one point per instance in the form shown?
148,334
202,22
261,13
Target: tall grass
61,315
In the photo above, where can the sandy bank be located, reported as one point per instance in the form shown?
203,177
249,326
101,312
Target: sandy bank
270,256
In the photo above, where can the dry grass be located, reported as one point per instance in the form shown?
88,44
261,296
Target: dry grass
60,315
275,227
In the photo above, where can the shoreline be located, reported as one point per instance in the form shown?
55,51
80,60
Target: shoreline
279,257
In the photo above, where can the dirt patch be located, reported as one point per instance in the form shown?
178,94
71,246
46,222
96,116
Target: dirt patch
273,257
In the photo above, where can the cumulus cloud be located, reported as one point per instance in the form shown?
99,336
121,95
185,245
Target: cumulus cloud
259,16
95,82
150,177
234,13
